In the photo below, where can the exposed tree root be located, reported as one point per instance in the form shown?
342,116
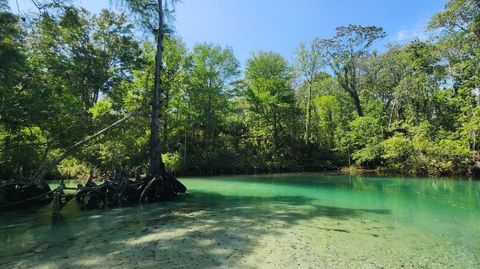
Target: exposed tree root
120,191
116,192
15,195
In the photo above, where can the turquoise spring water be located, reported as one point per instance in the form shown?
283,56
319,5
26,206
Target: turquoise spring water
268,221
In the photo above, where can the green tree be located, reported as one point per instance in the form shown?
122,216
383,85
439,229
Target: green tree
152,14
343,52
210,89
12,68
271,102
308,65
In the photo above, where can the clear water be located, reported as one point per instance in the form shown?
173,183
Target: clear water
271,221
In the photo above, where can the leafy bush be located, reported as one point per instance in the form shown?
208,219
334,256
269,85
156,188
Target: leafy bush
173,161
397,151
364,136
73,168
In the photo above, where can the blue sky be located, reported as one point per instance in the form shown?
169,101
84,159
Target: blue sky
280,25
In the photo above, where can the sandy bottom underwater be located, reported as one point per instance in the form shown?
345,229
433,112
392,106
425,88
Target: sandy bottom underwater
256,235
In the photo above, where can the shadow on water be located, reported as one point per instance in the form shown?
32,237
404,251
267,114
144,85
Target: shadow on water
204,229
270,206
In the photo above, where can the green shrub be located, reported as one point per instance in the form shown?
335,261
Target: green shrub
397,151
73,168
172,161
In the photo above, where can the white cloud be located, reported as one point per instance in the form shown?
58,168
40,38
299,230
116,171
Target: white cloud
413,31
410,34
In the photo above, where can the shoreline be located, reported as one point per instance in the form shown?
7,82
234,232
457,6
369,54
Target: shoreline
341,171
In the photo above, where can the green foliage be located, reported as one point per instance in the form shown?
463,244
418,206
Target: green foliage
12,68
397,151
72,168
271,105
364,137
414,108
173,161
344,52
70,62
421,153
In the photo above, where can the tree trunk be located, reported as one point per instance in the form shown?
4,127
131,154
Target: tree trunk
156,164
166,121
309,115
354,90
358,106
275,131
162,185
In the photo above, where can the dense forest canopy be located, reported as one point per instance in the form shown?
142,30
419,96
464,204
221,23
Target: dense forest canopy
66,73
